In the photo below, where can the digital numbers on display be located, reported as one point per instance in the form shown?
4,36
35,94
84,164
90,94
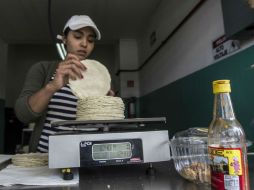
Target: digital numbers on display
109,151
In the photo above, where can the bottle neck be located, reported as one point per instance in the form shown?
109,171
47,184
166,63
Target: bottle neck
223,107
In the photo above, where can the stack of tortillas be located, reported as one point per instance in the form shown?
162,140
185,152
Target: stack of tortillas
30,159
100,108
93,102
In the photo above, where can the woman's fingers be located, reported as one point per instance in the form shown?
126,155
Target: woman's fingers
74,59
74,66
71,56
66,73
111,93
78,64
71,75
72,69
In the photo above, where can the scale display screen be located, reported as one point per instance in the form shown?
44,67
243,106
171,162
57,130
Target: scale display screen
111,151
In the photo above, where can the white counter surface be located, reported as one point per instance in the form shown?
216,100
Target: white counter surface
4,157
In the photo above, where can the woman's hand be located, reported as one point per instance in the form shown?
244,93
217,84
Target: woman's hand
70,68
111,93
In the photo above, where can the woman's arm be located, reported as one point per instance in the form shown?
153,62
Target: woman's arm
34,81
35,97
69,68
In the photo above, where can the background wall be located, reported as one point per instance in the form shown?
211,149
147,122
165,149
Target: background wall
164,20
189,50
128,61
3,61
176,82
188,102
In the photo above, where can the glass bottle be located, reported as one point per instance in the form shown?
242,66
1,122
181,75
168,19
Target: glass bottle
226,143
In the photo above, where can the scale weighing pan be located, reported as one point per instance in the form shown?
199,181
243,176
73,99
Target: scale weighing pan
107,124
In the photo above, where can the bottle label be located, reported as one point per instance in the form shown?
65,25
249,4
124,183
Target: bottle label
226,168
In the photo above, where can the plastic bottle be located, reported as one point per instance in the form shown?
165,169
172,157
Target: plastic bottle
226,143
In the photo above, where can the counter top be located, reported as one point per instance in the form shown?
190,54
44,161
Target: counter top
133,177
4,157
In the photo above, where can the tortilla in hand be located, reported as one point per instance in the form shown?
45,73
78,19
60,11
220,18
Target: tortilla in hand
96,81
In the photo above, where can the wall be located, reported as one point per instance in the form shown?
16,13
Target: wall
187,51
165,19
176,83
128,61
188,102
3,61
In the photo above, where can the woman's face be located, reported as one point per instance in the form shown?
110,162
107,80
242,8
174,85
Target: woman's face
80,42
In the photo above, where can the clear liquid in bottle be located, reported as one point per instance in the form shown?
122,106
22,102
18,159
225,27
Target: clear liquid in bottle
226,143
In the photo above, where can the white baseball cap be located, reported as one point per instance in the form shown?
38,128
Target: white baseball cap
79,21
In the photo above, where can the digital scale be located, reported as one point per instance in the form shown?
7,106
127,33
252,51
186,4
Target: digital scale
109,142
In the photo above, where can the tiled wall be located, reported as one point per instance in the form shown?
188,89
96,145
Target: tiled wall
188,102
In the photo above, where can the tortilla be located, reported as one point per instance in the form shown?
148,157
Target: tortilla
100,108
30,159
96,81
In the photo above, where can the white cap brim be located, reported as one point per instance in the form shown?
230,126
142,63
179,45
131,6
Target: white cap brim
80,21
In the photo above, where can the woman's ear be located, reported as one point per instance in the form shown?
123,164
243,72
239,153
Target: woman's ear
61,38
64,39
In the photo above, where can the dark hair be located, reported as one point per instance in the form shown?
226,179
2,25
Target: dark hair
66,31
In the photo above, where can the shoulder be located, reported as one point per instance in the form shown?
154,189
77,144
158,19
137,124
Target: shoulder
44,66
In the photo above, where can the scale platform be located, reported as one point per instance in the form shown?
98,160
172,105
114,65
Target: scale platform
112,142
106,125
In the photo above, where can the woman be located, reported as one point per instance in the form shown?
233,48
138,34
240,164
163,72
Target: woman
46,96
